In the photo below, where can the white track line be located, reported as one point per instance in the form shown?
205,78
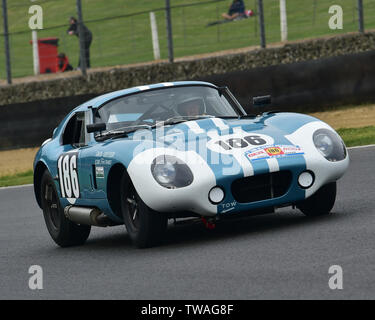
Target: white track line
360,147
17,187
30,185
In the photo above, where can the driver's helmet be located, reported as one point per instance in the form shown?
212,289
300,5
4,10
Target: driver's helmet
192,106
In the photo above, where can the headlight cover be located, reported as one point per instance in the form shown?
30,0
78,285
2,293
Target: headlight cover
329,144
171,172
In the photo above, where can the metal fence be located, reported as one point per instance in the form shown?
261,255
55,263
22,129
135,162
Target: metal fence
122,29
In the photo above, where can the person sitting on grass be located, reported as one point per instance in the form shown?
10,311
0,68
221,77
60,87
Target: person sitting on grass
63,63
237,9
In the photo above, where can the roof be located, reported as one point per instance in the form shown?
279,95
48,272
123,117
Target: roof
100,100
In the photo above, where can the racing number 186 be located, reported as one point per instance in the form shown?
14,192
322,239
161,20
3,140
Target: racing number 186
241,143
68,176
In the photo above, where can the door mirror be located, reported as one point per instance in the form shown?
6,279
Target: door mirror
262,101
96,127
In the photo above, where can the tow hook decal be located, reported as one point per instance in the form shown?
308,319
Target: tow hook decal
226,207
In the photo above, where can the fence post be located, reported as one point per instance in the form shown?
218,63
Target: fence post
261,24
155,36
34,36
314,12
283,21
82,51
6,42
360,17
169,30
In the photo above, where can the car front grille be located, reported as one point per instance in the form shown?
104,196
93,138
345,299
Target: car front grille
261,187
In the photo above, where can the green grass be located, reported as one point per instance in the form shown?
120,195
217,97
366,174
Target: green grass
128,40
358,136
352,137
17,179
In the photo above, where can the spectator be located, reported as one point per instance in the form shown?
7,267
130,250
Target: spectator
236,10
63,63
87,36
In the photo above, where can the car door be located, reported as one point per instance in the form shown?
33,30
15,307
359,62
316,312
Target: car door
69,163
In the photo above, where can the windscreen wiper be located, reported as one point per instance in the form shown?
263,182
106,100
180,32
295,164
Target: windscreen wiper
180,119
248,116
243,116
124,133
121,133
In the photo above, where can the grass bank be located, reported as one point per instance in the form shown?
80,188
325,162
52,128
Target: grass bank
17,179
358,136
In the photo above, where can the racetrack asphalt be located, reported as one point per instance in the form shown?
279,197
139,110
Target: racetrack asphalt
280,256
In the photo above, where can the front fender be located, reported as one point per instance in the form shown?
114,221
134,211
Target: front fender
325,171
192,198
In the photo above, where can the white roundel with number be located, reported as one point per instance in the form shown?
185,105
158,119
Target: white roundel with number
68,177
239,141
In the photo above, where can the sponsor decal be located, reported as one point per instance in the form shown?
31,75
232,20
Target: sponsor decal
103,162
276,151
99,172
101,154
104,158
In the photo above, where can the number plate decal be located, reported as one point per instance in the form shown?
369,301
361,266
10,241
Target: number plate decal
240,141
68,176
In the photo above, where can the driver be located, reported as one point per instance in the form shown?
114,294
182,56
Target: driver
191,107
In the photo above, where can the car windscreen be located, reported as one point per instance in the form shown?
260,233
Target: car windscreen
150,107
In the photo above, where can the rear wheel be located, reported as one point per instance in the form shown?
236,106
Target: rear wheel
145,226
63,231
321,202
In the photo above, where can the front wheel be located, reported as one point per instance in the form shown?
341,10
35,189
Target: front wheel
321,202
63,231
145,226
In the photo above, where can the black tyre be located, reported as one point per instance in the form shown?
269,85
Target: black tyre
63,231
145,226
321,202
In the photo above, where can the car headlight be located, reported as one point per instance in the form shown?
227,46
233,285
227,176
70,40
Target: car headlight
329,144
171,172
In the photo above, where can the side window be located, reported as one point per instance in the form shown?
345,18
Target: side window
74,133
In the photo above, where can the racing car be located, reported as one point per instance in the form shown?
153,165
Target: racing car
144,155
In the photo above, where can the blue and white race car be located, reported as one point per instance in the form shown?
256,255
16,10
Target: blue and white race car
144,155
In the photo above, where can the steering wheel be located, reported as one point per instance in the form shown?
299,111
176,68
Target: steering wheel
148,113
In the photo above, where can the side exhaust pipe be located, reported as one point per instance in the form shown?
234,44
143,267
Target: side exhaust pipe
87,216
